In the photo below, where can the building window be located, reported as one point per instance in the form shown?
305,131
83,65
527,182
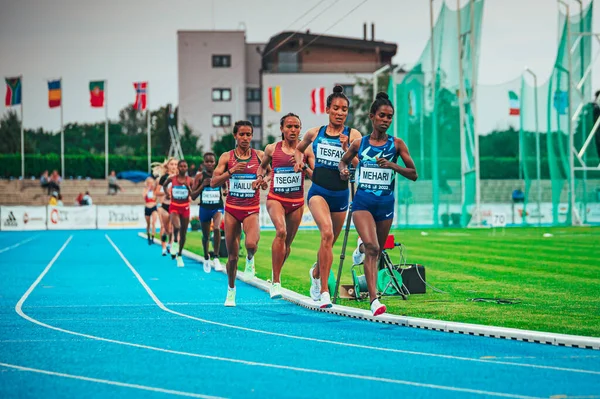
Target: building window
221,94
252,94
255,119
221,120
288,61
221,61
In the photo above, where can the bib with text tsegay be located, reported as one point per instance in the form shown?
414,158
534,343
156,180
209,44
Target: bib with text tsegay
285,180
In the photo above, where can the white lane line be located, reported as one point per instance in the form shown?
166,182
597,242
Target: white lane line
18,244
19,310
324,341
109,382
151,305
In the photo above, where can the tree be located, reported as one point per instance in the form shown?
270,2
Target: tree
10,131
224,144
361,100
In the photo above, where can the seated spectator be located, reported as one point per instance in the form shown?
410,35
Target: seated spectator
113,186
44,180
87,199
518,196
54,183
79,199
59,200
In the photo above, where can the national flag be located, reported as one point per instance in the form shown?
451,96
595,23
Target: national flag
275,98
54,93
317,100
97,94
13,91
141,91
513,103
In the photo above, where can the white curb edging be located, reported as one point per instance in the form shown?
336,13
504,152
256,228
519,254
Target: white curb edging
575,341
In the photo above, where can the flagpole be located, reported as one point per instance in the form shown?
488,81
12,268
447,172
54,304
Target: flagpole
22,132
106,129
62,134
148,126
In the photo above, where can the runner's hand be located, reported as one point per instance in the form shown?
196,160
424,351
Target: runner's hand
345,174
344,142
298,167
238,167
384,163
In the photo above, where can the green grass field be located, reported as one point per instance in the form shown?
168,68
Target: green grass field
557,279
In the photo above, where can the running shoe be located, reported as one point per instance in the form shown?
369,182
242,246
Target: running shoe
164,252
230,301
206,264
217,264
377,308
180,261
325,301
249,271
174,250
315,285
275,291
168,248
149,240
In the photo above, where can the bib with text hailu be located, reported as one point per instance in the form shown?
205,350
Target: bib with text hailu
240,185
211,196
180,193
285,180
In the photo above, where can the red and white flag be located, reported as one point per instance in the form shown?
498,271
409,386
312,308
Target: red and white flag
141,91
317,104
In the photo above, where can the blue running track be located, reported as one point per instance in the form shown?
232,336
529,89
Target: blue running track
102,314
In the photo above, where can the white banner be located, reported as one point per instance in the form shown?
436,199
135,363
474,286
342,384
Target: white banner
23,218
71,217
123,217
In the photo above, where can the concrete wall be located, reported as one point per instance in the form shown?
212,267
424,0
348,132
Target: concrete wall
197,78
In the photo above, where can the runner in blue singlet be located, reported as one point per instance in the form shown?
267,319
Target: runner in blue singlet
373,205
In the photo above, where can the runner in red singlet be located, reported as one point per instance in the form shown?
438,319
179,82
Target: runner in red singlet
285,202
239,167
179,210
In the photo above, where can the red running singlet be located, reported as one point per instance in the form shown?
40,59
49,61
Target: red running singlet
180,197
242,200
287,186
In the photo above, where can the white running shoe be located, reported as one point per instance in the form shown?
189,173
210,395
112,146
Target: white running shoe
315,285
206,264
275,291
249,271
325,301
180,261
230,301
174,250
377,308
217,264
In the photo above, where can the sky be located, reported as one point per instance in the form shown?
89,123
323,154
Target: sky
124,41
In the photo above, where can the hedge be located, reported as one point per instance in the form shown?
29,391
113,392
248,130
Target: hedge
77,165
93,166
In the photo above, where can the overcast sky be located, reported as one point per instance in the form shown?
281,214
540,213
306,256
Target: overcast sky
130,40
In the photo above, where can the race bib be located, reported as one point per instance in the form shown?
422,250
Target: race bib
328,154
150,194
285,180
211,197
180,192
240,185
372,177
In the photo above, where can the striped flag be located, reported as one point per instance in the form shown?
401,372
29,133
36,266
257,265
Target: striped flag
13,91
275,98
317,100
54,93
141,89
514,104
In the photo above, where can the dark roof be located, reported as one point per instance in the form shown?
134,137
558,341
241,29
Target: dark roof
330,41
